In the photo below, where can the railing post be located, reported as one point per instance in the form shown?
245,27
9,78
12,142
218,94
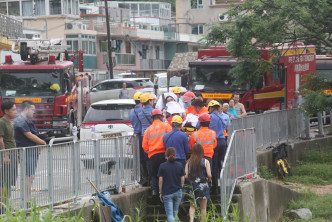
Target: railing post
50,175
23,177
307,127
320,125
96,145
76,169
122,148
117,159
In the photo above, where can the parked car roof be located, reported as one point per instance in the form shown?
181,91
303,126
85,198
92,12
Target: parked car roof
114,101
125,79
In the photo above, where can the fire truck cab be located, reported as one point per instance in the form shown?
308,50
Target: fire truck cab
46,81
209,75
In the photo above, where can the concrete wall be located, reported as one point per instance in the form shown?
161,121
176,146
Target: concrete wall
262,200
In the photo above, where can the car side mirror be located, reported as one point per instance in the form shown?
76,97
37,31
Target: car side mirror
93,90
155,86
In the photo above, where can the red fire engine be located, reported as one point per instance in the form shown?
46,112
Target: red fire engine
209,76
48,82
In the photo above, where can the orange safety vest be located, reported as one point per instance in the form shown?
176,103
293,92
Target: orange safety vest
153,137
207,138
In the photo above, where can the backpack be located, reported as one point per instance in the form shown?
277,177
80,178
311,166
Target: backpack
280,155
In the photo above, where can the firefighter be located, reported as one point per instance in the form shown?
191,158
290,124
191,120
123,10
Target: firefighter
136,123
178,140
154,146
218,124
187,98
204,136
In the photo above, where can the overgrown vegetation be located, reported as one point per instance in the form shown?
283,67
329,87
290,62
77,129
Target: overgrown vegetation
314,169
265,172
320,206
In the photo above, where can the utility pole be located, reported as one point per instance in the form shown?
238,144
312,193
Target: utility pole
109,43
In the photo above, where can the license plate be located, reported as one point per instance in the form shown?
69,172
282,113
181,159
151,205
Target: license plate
328,91
34,100
111,135
217,95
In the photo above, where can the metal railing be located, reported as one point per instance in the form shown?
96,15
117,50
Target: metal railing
240,161
273,127
10,27
58,172
158,64
125,59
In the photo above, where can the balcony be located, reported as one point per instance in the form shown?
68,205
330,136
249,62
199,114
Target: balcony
115,29
154,64
10,27
125,59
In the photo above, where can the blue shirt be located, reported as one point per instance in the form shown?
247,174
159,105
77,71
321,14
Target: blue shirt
171,173
178,140
226,119
22,125
145,117
135,122
232,111
217,124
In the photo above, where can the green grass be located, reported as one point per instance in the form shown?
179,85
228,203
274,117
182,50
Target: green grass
265,172
320,206
314,169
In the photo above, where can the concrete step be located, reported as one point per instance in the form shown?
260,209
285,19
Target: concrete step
156,217
236,198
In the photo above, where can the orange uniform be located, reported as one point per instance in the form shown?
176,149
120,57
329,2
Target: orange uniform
207,138
192,110
153,137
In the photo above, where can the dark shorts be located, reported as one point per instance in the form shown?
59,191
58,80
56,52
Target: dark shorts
8,171
31,161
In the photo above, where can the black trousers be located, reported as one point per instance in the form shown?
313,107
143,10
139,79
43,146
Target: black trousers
155,162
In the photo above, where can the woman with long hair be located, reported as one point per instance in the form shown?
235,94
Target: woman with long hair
171,179
198,172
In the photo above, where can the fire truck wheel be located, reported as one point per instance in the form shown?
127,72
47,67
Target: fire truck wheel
89,164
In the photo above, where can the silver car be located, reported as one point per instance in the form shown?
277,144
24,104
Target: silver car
110,89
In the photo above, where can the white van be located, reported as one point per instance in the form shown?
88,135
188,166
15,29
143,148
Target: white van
160,83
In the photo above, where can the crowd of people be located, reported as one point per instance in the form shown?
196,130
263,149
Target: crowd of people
183,143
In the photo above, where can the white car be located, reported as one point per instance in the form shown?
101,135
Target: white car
110,88
160,83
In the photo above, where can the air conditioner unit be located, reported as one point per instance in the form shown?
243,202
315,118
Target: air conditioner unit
69,26
223,17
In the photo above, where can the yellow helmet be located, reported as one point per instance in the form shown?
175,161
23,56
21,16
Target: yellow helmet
137,96
145,97
177,119
176,90
55,86
213,103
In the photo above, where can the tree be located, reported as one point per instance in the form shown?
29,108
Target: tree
255,24
260,23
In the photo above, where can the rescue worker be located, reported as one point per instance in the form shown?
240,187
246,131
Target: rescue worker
145,115
178,92
204,136
136,123
218,124
187,98
178,140
199,107
154,146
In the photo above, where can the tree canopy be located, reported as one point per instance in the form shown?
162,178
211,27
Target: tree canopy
260,23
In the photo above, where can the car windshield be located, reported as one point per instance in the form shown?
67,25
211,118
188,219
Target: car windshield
212,78
31,83
327,73
109,112
174,81
144,83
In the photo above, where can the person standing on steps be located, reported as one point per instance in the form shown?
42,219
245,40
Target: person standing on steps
198,172
171,180
154,146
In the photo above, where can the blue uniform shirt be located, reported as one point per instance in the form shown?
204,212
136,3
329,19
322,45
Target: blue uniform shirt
22,125
145,117
135,122
217,124
171,173
226,119
178,140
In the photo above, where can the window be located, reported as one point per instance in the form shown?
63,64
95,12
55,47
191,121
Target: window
157,52
134,10
27,9
276,72
40,7
14,8
197,29
128,47
155,10
101,87
196,4
55,7
3,8
144,51
144,9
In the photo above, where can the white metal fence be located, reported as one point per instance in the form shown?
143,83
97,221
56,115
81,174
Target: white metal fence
240,161
58,172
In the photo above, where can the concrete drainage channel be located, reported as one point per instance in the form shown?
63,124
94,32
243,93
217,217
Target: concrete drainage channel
258,199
